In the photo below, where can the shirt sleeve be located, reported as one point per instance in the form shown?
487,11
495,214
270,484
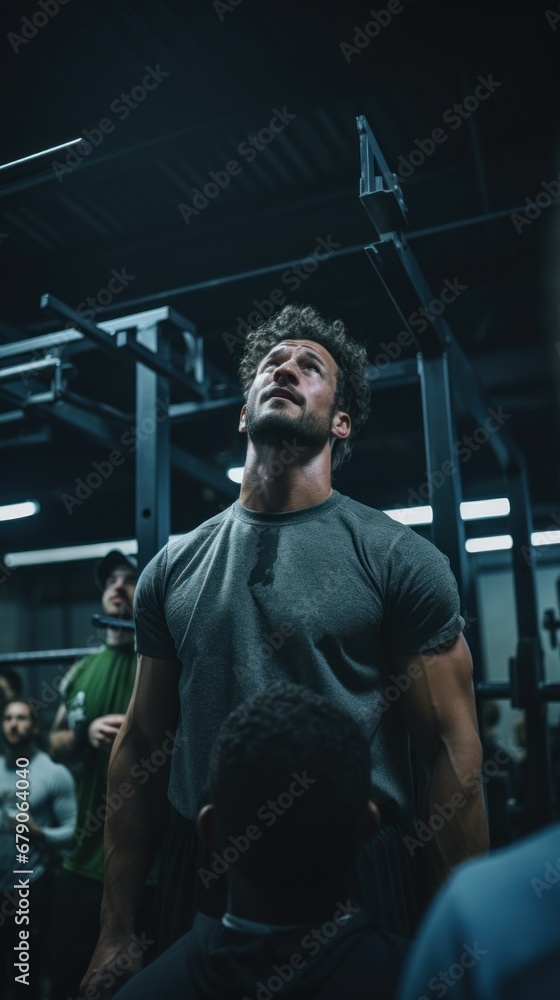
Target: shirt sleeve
68,676
65,811
422,607
152,633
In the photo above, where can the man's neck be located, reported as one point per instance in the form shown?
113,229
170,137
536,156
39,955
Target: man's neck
249,903
275,481
13,754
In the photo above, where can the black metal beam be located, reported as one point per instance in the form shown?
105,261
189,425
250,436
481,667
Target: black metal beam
392,261
497,689
389,260
478,403
100,429
29,367
153,500
95,406
196,468
527,668
129,352
93,425
215,383
230,279
46,342
441,355
443,470
38,657
503,689
380,191
179,412
26,440
103,621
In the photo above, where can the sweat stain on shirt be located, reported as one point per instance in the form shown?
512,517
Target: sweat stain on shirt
267,552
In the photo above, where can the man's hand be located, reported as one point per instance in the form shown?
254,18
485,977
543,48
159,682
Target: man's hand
65,744
102,731
107,972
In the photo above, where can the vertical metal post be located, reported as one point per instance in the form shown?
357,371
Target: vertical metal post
444,487
153,506
528,666
442,467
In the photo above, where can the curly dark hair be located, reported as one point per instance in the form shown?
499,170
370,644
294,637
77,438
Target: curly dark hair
299,322
262,746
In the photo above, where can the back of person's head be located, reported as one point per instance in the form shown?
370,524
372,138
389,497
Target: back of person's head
297,768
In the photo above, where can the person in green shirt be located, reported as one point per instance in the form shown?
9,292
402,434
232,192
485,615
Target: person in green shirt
95,692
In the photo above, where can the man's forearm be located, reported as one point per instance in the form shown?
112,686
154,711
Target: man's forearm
451,809
133,831
63,745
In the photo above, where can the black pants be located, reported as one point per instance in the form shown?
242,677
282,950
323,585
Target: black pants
385,883
76,915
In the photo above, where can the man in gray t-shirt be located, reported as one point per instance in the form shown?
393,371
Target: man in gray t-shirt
37,820
232,600
297,581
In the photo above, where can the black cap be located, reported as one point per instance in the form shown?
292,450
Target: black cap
106,566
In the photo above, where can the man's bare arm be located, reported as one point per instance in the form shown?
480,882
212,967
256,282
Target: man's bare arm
68,745
134,831
62,739
439,712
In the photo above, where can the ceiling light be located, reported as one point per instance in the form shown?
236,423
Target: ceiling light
545,538
73,553
492,543
411,515
470,510
11,511
69,553
43,152
235,473
473,509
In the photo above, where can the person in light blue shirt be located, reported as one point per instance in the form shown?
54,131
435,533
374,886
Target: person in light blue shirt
493,932
35,789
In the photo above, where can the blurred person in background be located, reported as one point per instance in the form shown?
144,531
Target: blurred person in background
37,820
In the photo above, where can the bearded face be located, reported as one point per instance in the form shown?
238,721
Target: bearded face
292,396
278,419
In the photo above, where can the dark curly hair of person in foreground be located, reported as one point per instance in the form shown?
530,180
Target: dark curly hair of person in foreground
284,730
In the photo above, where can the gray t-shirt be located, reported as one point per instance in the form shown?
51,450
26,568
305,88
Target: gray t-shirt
52,804
321,597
